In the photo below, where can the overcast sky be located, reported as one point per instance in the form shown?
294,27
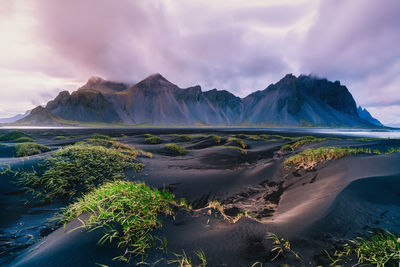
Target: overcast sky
51,45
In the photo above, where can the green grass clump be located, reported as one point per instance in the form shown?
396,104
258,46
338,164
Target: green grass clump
102,136
183,137
249,136
76,169
176,149
127,212
10,136
29,149
381,249
309,158
264,136
237,142
121,147
23,139
281,246
153,140
184,260
61,137
303,141
288,138
215,138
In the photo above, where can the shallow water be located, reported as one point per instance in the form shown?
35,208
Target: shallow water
371,133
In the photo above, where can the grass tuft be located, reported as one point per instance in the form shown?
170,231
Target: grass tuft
153,140
237,142
309,158
381,249
216,138
29,149
23,139
303,141
61,137
176,149
182,137
76,169
102,136
121,147
184,260
13,135
281,246
241,150
127,212
253,137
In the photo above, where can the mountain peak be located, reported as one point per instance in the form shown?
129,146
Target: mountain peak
293,101
155,81
289,81
289,76
104,86
364,114
156,77
95,79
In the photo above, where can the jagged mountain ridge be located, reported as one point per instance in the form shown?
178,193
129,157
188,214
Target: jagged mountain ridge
364,114
293,101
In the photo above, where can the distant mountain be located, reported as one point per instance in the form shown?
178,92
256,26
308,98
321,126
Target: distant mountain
364,114
303,101
293,101
14,118
394,125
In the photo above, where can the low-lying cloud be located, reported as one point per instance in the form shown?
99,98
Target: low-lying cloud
240,47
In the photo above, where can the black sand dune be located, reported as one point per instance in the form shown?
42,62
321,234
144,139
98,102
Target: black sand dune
340,199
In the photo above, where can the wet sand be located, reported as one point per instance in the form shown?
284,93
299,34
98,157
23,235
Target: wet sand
315,209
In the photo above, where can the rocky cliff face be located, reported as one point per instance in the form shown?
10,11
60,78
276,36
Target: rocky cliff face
364,114
302,101
293,101
80,106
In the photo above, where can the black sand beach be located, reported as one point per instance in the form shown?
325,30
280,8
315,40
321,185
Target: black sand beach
315,209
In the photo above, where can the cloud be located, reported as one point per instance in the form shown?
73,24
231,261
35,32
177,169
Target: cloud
212,44
51,45
357,42
353,39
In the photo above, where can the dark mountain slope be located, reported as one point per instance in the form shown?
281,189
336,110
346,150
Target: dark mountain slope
364,114
293,101
84,105
303,101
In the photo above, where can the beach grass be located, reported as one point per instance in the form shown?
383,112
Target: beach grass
121,147
29,149
380,249
249,136
153,140
183,260
13,135
216,138
127,212
309,158
182,137
301,142
24,139
281,246
235,141
240,149
61,137
176,149
76,169
102,136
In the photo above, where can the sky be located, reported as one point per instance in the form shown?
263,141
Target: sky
241,46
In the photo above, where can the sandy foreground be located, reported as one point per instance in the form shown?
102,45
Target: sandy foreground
315,210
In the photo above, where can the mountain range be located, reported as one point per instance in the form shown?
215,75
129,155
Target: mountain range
291,102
